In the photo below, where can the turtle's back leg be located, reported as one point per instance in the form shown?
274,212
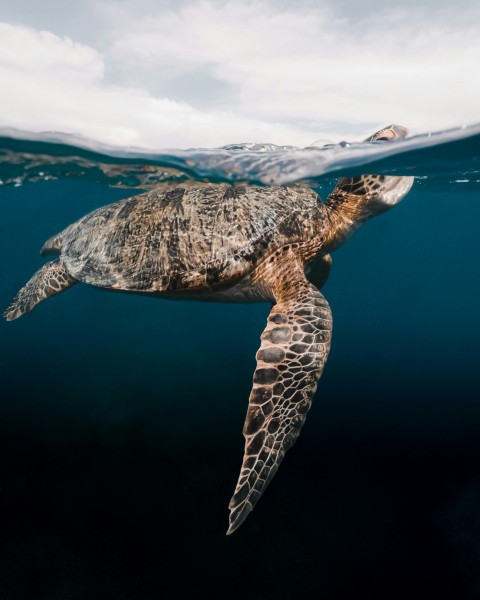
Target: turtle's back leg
51,279
52,245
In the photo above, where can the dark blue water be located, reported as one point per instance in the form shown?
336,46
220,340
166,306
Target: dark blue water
121,419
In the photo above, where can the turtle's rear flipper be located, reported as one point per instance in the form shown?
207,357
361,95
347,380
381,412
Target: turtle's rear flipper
51,279
52,245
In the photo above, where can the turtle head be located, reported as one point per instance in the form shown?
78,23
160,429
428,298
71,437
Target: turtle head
373,194
356,199
389,134
378,192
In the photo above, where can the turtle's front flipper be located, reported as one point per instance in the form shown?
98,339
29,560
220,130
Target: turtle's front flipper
291,358
51,279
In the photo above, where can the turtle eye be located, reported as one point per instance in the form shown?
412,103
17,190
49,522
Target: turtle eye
382,139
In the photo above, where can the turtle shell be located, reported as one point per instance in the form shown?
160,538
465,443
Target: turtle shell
191,236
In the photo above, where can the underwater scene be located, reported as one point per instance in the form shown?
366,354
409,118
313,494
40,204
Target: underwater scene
121,415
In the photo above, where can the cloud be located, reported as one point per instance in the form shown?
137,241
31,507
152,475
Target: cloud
52,83
206,73
414,67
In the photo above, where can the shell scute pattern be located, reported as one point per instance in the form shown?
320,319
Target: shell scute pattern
186,238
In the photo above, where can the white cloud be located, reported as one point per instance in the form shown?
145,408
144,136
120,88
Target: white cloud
260,71
411,67
51,83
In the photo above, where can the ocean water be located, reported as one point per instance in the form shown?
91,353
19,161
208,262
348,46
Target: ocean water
121,416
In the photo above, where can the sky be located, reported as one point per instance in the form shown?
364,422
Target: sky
203,73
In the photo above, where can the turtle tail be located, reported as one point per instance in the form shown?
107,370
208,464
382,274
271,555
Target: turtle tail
51,279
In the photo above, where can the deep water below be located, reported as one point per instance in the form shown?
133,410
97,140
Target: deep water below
121,425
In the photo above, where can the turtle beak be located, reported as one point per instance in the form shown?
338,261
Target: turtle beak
398,132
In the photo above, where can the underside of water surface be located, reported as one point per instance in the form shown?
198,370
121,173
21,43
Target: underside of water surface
29,157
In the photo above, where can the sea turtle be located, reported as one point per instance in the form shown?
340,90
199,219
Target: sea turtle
231,243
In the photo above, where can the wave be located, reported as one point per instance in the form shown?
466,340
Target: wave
451,156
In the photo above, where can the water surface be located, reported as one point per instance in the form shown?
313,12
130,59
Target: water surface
121,416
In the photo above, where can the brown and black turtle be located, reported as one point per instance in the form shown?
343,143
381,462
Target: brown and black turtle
240,244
